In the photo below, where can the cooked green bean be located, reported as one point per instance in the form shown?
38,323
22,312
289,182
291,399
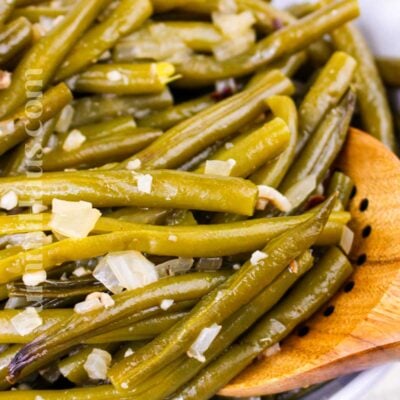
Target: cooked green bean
72,367
221,303
80,327
191,241
127,17
331,84
124,79
272,173
38,66
174,115
318,286
34,14
252,149
5,358
94,109
151,216
28,121
343,185
26,155
14,37
163,188
375,110
330,134
202,70
186,368
184,140
101,149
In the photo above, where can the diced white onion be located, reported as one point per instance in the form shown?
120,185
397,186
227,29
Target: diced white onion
94,301
9,200
124,385
106,276
65,119
38,208
144,183
74,140
81,271
128,352
34,278
203,342
28,241
134,164
39,397
276,198
175,266
114,76
173,238
274,349
26,321
97,364
236,267
166,304
294,267
346,239
257,256
234,25
73,219
218,167
229,145
14,303
227,6
131,269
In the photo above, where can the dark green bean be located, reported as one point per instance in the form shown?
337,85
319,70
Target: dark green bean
318,286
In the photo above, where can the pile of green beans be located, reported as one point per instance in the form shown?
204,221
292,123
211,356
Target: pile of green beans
214,176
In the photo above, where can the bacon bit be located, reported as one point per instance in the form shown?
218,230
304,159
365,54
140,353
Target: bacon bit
314,201
294,267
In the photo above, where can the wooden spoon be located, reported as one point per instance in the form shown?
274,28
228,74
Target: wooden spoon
360,327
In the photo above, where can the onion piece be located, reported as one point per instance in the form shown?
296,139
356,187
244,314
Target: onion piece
144,183
166,304
346,240
257,256
73,219
218,167
233,26
74,140
65,119
203,342
233,47
34,278
5,79
270,351
7,127
26,321
9,200
97,364
276,198
134,164
94,301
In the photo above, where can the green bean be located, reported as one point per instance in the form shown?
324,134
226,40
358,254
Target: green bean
272,173
331,84
147,329
28,121
168,189
253,149
99,150
27,155
6,9
72,367
81,327
333,130
191,241
148,216
58,289
187,368
318,286
5,358
343,185
176,114
200,70
217,122
34,14
94,109
14,37
128,16
38,66
125,79
221,303
375,110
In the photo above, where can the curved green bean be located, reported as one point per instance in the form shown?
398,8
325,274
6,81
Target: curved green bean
188,138
375,110
343,185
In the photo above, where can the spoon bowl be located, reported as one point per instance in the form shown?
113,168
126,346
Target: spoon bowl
360,327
